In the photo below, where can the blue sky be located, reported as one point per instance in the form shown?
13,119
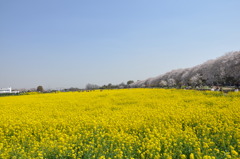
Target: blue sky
61,44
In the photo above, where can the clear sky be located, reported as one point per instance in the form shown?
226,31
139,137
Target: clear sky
62,44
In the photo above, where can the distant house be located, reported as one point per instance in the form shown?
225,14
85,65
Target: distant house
8,90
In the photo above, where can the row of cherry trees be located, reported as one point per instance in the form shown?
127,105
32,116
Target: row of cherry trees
223,71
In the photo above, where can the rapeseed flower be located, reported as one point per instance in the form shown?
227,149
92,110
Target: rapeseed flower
127,123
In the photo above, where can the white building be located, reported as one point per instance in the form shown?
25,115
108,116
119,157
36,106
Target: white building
8,90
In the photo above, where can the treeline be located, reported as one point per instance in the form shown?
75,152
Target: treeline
109,86
223,71
89,86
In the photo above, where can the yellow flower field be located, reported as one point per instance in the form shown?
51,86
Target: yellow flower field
127,123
